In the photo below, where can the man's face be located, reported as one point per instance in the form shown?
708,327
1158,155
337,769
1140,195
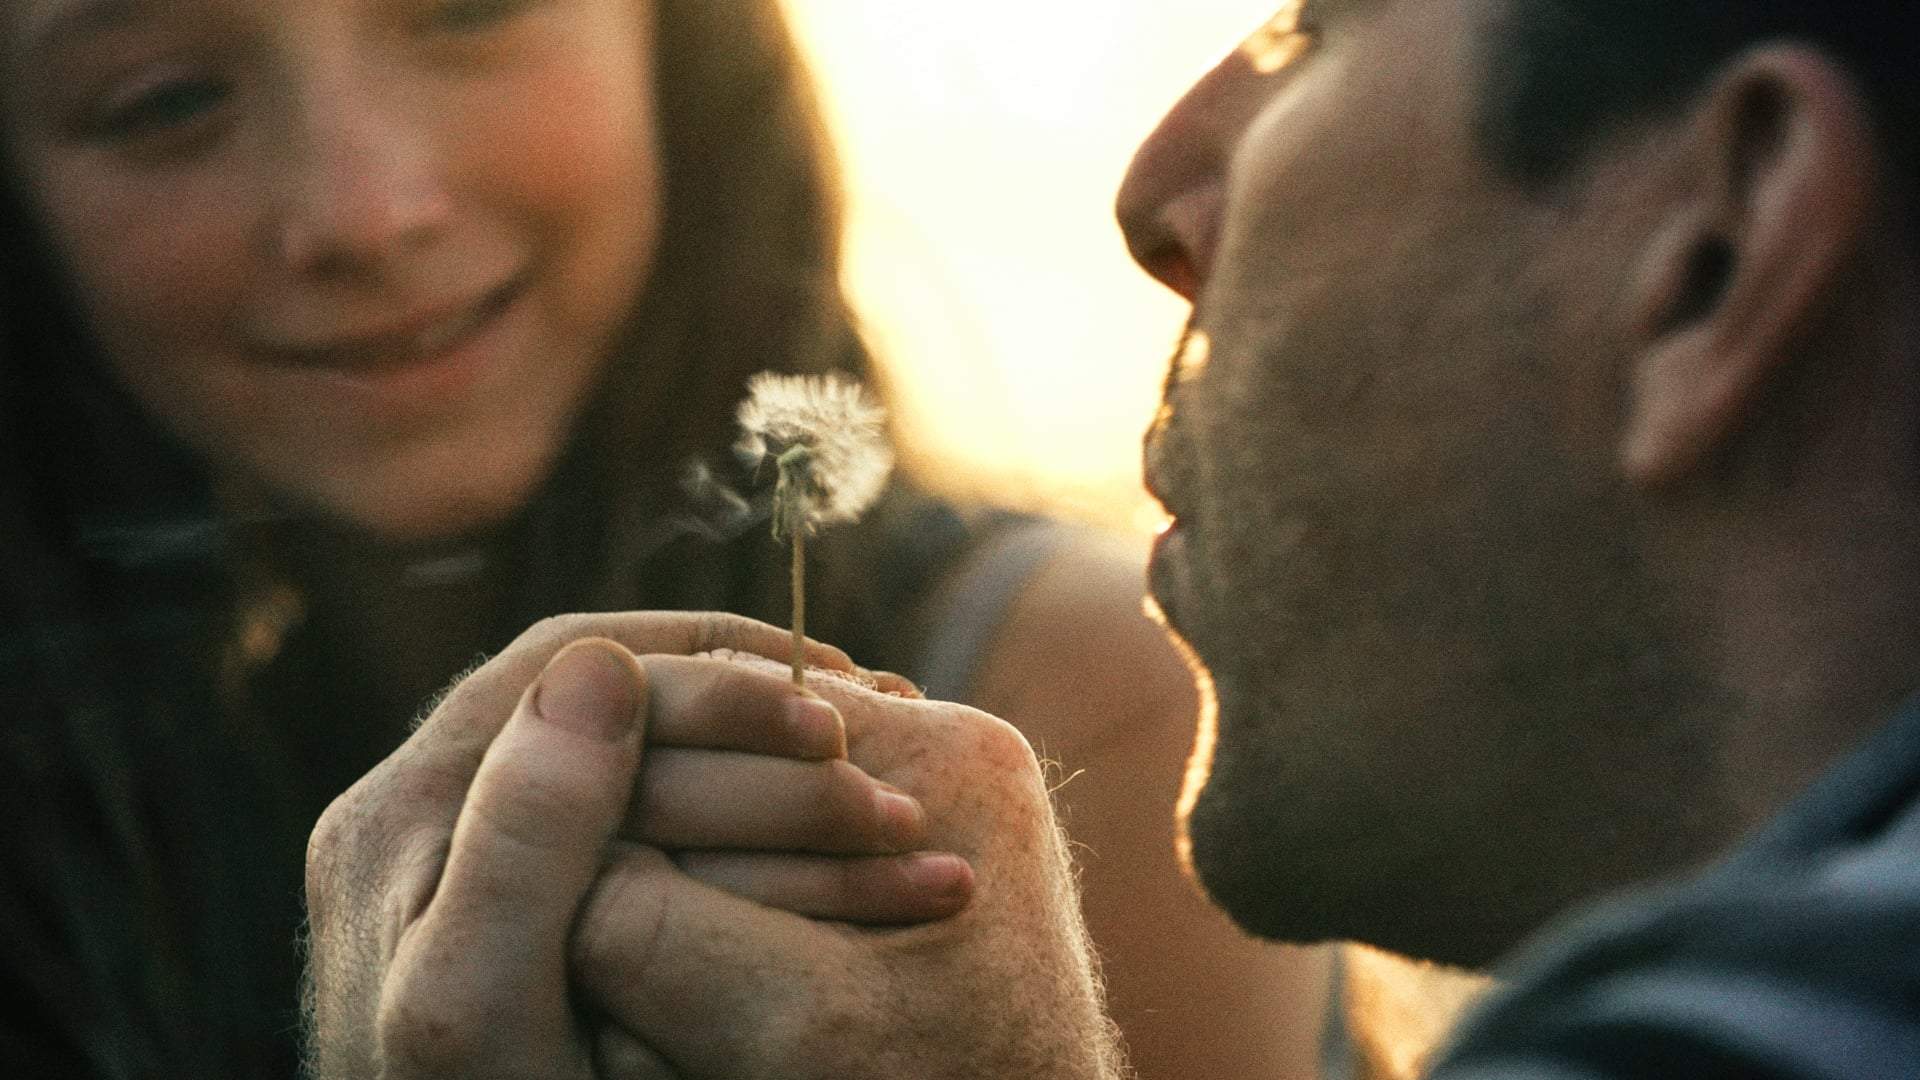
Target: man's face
1448,702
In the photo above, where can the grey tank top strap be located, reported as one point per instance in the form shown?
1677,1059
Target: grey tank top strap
959,635
1336,1037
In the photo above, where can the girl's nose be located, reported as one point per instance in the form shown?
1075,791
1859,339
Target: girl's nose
362,185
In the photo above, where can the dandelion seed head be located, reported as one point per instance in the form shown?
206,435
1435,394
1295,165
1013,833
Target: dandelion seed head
843,430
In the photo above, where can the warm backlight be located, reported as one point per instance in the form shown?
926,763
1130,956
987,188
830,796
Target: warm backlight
982,144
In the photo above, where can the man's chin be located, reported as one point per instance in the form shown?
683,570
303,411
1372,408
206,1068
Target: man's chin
1231,863
1287,890
1281,915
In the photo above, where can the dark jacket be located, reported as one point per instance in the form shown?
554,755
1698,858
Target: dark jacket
1796,959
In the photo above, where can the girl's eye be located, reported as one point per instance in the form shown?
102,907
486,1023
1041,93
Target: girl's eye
472,16
168,107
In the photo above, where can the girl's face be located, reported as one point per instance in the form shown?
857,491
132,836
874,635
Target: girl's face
368,256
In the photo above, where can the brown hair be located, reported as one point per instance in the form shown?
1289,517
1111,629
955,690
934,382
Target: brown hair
745,279
747,275
1560,74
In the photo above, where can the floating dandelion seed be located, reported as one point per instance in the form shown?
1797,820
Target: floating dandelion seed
715,510
827,438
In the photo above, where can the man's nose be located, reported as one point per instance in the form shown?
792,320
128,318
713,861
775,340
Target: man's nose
362,183
1171,201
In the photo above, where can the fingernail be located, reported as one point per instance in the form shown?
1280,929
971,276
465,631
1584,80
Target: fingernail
939,874
897,685
821,732
904,818
589,688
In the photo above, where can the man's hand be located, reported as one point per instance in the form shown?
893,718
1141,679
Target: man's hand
443,887
698,983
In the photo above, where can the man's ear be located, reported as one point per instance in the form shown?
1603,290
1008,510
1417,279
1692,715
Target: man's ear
1749,255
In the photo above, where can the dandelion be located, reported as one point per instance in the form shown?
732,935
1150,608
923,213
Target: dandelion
827,439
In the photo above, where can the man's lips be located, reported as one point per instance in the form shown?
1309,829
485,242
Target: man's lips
402,343
1165,566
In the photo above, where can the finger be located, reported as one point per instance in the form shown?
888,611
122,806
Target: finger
466,719
878,890
525,850
703,977
550,791
721,705
617,1055
716,799
686,633
888,683
824,683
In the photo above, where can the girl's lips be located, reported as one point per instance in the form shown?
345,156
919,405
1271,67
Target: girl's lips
419,340
422,368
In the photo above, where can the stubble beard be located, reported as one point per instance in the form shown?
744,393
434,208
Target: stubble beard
1439,758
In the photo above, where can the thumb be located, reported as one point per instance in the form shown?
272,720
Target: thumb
550,793
714,983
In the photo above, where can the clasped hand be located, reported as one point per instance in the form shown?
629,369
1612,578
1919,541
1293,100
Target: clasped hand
607,855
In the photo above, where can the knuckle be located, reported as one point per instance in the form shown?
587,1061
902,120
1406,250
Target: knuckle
368,874
846,796
723,630
711,690
998,742
1000,752
336,838
425,1034
524,801
620,1056
619,922
553,632
323,847
463,703
419,860
815,1038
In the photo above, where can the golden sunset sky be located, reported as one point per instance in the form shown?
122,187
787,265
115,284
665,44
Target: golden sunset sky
982,144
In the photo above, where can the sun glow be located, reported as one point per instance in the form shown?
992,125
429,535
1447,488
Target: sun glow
1278,43
982,146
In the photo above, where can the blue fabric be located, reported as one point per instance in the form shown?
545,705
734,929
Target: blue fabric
1798,957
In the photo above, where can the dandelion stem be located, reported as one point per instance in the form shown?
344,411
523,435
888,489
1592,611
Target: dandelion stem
799,607
828,440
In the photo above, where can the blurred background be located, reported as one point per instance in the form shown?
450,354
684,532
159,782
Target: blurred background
982,144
